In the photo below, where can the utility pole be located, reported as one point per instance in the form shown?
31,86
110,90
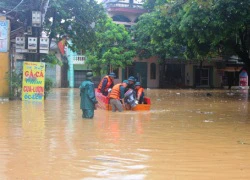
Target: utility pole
35,44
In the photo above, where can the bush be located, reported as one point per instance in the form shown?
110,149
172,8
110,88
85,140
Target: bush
47,87
15,82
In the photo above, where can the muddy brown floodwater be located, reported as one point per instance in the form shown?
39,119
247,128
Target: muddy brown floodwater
187,135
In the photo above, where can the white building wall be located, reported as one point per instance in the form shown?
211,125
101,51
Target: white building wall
151,83
189,80
216,74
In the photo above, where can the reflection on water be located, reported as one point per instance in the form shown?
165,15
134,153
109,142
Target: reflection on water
187,134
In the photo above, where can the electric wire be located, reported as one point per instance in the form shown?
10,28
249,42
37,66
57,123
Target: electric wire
13,8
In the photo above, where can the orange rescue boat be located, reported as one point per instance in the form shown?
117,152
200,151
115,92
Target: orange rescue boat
103,103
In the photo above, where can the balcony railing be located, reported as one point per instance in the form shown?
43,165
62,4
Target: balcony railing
79,59
124,5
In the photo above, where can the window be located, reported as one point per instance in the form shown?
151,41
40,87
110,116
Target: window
202,77
152,71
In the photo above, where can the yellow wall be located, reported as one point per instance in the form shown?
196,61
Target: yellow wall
2,18
4,67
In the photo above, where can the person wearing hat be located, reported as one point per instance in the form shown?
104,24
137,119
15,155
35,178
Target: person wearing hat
139,92
106,83
117,95
131,82
88,99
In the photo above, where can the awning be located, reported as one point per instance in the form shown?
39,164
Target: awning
232,69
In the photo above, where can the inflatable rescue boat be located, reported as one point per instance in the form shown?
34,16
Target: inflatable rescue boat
103,102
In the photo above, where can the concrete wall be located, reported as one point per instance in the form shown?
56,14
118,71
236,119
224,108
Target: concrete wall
152,83
4,63
51,73
54,72
189,75
216,74
118,80
217,77
4,68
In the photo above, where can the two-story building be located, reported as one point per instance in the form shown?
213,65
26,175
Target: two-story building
172,73
127,12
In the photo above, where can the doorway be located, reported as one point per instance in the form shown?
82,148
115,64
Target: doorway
203,76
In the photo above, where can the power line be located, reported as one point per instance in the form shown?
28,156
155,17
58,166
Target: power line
45,7
14,8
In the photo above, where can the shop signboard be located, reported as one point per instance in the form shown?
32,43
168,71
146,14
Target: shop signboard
33,81
4,39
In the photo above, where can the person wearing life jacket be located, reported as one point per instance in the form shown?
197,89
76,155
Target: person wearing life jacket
131,82
106,83
117,95
139,92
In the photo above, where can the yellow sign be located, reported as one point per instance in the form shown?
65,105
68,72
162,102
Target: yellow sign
33,81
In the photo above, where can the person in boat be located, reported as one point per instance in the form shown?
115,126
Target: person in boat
116,96
106,83
131,87
139,92
88,99
131,82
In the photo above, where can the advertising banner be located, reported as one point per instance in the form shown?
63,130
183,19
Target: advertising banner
4,40
33,81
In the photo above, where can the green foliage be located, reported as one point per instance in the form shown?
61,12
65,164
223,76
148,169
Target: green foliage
197,30
15,82
114,47
76,19
63,17
47,87
52,59
18,11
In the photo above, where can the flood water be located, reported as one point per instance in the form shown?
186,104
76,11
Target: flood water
187,135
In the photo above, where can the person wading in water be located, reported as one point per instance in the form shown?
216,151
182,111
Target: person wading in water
88,99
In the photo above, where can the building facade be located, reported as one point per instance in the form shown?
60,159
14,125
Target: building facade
4,56
127,12
172,73
76,69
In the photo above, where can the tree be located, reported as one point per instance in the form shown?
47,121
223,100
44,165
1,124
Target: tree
153,36
86,24
114,47
197,30
233,35
75,19
18,11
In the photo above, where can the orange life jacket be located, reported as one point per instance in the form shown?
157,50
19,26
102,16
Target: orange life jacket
115,93
139,91
110,81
